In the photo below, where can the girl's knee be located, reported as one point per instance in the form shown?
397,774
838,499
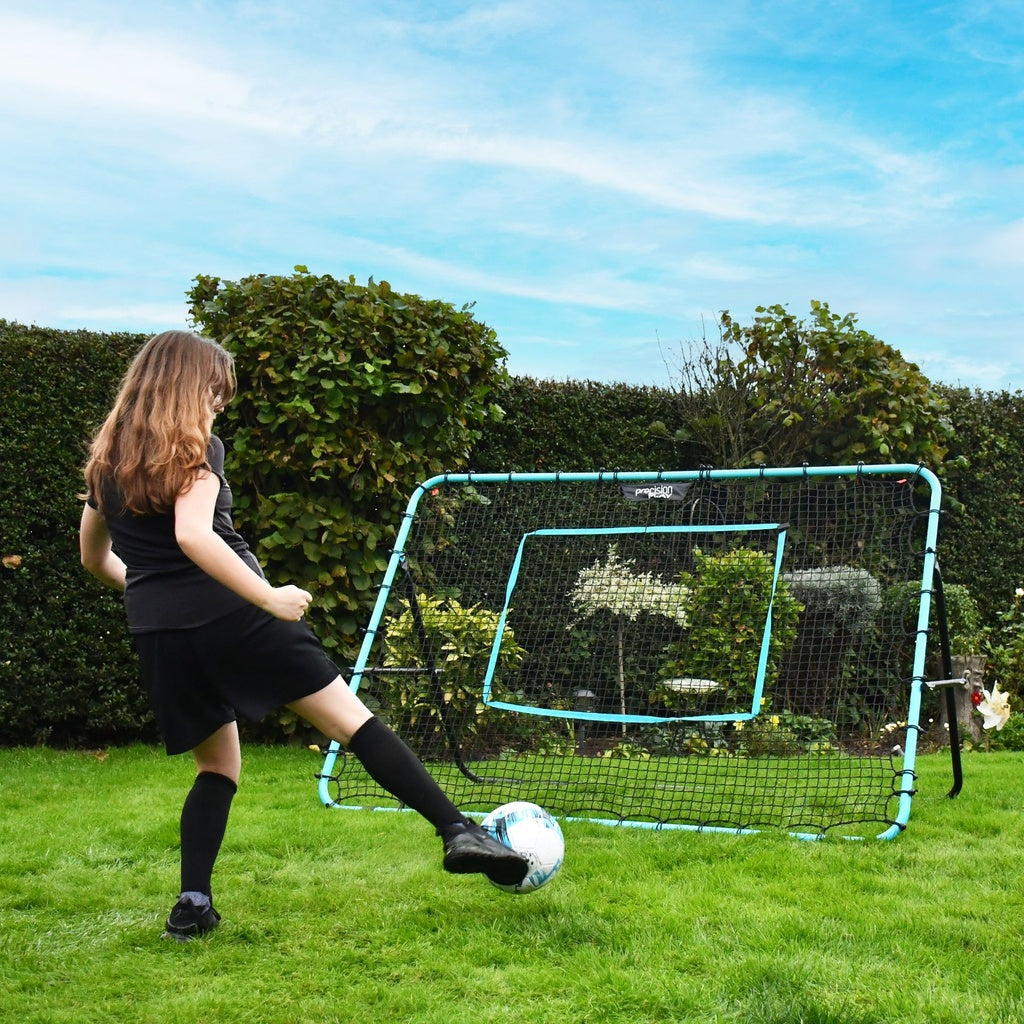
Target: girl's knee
220,753
335,710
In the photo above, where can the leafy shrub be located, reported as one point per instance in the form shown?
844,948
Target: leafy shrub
1005,646
730,595
440,634
350,396
782,391
1011,736
849,597
783,735
685,739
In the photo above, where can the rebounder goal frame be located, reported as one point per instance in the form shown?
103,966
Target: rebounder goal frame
397,590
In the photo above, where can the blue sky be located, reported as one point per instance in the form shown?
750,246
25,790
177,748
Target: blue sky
600,178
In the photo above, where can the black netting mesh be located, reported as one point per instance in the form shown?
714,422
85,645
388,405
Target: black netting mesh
640,674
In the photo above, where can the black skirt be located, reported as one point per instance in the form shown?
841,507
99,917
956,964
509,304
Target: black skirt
246,663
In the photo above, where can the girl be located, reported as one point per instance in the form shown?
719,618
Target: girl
213,637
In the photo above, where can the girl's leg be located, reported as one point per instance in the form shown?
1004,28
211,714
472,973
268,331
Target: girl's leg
220,753
340,715
204,818
335,710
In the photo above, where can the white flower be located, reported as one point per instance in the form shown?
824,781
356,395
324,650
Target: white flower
995,708
1019,592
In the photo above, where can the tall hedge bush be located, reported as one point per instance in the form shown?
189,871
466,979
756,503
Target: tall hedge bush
582,425
782,391
349,395
67,674
981,539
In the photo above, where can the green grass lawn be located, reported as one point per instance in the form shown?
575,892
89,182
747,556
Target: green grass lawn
346,916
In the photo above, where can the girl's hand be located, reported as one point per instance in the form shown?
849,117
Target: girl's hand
288,603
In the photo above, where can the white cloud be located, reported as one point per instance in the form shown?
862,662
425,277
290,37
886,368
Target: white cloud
55,67
625,160
95,304
595,290
733,154
492,21
156,315
986,374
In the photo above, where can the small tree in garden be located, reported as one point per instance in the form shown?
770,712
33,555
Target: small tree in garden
782,391
613,585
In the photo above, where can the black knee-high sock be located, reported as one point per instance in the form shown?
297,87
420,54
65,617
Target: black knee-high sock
391,764
204,817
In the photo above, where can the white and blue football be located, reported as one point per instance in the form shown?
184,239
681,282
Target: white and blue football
534,835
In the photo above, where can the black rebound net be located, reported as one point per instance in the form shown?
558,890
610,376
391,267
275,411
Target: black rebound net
734,650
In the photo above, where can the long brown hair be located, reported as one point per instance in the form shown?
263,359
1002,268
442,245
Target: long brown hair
154,440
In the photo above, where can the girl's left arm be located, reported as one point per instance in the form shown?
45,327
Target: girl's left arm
97,553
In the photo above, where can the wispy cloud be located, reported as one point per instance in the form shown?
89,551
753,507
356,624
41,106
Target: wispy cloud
56,69
773,156
1001,247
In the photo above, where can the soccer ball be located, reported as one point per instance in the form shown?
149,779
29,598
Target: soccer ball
532,833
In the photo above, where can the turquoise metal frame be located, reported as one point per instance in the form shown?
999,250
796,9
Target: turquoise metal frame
928,571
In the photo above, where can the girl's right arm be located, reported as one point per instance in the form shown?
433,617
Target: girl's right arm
193,529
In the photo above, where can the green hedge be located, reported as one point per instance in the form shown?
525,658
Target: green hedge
67,673
66,669
581,425
980,539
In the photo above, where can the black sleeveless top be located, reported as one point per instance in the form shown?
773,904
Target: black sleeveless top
165,589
